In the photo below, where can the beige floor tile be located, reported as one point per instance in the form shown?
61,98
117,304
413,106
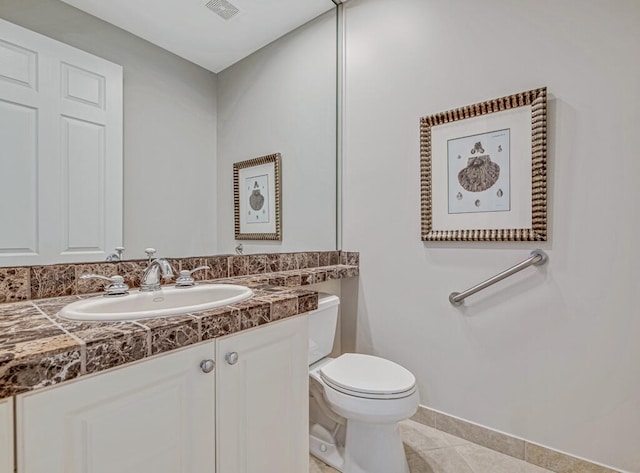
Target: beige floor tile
316,466
432,451
484,460
441,460
422,438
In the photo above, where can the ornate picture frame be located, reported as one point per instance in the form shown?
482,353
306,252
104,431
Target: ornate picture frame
483,171
257,198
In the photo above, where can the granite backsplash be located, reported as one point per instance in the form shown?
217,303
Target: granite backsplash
42,282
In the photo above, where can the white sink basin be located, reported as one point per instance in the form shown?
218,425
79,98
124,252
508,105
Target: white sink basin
167,301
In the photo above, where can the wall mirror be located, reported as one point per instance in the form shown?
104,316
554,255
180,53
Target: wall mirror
185,125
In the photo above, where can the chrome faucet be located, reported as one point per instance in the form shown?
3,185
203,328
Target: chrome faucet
116,286
151,277
186,279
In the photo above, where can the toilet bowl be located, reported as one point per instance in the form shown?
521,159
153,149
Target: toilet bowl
365,395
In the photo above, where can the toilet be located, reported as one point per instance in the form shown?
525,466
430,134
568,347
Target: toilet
356,402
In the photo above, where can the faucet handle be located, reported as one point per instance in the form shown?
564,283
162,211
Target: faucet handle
117,256
150,252
186,279
117,287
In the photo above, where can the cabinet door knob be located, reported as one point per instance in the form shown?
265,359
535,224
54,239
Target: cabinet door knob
207,365
231,358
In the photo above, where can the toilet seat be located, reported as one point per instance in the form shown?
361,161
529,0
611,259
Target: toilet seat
369,377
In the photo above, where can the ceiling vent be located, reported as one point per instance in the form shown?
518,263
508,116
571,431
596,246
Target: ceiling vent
223,9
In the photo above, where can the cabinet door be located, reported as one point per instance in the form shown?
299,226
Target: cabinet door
156,416
6,435
262,399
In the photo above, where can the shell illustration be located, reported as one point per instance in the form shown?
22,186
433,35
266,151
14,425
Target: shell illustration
479,175
477,147
256,199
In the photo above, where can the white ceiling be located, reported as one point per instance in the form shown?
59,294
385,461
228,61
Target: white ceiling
191,30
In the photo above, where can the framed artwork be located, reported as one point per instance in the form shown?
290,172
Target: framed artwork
483,171
257,198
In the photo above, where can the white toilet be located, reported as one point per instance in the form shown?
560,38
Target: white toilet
356,402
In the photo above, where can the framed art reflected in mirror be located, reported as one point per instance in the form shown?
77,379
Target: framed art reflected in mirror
257,198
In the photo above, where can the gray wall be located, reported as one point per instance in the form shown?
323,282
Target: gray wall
551,354
169,129
282,99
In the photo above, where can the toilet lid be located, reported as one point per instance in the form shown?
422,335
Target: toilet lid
368,376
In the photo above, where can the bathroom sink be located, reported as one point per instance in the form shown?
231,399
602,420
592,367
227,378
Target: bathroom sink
166,301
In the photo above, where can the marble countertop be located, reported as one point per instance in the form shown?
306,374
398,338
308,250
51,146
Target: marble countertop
40,349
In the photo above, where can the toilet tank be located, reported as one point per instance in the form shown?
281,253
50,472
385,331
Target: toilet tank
322,326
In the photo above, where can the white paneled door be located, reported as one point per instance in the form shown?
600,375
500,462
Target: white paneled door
60,153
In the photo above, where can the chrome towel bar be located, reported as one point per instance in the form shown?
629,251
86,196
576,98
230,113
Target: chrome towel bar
537,258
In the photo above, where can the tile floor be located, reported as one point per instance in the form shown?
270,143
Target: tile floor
433,451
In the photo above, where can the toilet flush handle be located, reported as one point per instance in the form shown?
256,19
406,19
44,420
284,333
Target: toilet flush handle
231,358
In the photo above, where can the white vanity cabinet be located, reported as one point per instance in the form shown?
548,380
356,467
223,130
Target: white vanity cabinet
171,413
156,416
262,376
6,436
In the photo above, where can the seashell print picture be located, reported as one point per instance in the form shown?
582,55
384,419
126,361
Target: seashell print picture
483,170
478,173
